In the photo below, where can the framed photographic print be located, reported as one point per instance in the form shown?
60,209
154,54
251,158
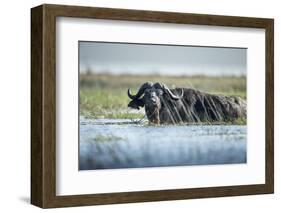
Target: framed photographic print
136,106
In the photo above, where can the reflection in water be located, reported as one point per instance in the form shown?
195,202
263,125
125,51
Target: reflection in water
109,144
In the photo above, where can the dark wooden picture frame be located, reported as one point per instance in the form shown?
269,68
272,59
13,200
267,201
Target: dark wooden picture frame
43,105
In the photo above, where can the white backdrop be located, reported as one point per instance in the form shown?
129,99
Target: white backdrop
15,105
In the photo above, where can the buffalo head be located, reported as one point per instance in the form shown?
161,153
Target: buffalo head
152,97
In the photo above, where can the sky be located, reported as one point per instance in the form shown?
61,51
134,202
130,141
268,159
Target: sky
126,58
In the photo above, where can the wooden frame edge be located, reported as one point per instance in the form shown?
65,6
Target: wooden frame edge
36,106
43,105
269,118
153,196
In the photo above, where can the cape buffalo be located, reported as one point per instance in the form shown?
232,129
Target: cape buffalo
164,105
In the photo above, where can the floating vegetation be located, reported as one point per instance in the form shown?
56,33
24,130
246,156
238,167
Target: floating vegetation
107,138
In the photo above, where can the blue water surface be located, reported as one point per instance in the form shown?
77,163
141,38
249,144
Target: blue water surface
112,143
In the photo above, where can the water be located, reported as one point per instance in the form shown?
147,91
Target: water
113,143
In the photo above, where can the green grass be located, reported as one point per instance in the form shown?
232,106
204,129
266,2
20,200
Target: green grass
239,121
107,138
105,96
106,103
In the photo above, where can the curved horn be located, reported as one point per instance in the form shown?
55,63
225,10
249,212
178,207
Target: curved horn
141,90
130,95
173,96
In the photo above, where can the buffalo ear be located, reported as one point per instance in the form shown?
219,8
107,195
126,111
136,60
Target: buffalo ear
136,104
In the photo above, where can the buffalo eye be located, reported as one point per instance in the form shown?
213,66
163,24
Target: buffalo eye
159,92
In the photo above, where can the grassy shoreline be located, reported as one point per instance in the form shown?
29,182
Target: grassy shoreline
105,95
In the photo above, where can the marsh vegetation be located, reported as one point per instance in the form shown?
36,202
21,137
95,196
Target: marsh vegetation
105,95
